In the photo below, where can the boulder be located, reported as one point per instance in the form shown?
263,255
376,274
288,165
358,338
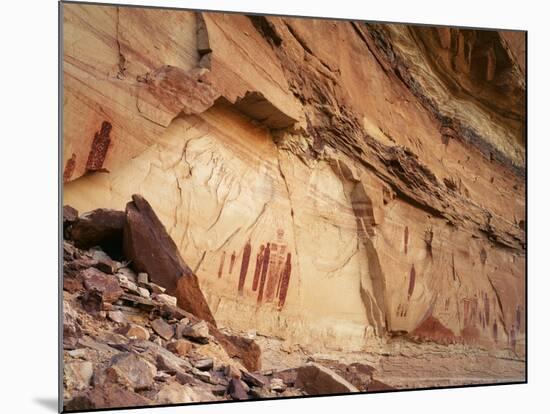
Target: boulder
117,316
204,364
106,396
166,299
288,376
143,278
106,285
375,386
180,347
163,329
236,389
133,331
316,379
131,371
197,332
101,227
78,374
144,293
277,385
70,215
151,249
104,262
231,371
166,361
92,301
175,393
244,349
254,379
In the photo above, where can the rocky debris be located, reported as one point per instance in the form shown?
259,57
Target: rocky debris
175,393
134,331
163,329
151,250
180,347
131,371
166,299
104,262
143,278
360,375
230,371
72,330
70,215
236,389
117,316
244,349
127,284
77,375
100,227
376,385
106,285
315,379
277,385
288,376
158,290
125,273
92,302
204,364
139,350
106,396
138,301
125,349
197,332
253,379
144,292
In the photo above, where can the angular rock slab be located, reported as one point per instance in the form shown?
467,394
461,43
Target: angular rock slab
131,371
106,285
100,227
316,379
151,249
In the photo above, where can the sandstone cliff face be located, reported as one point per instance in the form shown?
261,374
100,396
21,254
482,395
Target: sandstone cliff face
340,185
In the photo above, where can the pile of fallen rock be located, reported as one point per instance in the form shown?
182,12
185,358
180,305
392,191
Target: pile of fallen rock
137,330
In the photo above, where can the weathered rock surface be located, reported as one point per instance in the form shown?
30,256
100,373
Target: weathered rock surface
349,187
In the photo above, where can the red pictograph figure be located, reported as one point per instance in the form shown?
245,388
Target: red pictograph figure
232,262
244,266
276,266
412,279
100,146
265,265
284,281
258,269
220,270
495,331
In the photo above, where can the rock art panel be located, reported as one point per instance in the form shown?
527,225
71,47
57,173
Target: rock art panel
341,185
